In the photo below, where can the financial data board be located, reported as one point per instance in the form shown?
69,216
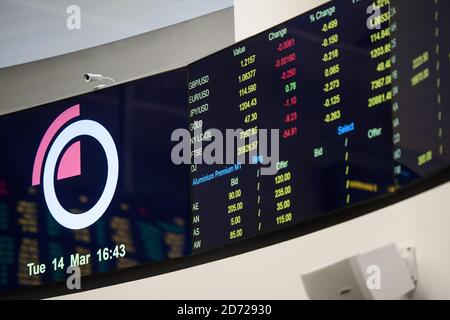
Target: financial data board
353,99
359,93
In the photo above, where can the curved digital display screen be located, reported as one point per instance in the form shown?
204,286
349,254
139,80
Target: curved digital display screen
358,91
336,107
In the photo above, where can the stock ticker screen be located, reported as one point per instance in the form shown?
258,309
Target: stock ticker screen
360,100
358,91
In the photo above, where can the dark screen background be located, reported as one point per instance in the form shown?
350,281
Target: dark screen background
350,167
327,169
150,210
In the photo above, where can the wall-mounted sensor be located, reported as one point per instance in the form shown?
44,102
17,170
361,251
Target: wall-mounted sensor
89,77
96,77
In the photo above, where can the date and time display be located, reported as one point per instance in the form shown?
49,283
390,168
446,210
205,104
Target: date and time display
77,260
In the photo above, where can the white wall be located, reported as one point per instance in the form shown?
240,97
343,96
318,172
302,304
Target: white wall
274,272
254,16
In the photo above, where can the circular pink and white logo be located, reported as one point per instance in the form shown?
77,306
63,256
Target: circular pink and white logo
70,166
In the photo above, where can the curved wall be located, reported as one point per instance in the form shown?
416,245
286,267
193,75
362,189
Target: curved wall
34,30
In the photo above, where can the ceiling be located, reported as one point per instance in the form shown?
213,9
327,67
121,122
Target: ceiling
33,30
